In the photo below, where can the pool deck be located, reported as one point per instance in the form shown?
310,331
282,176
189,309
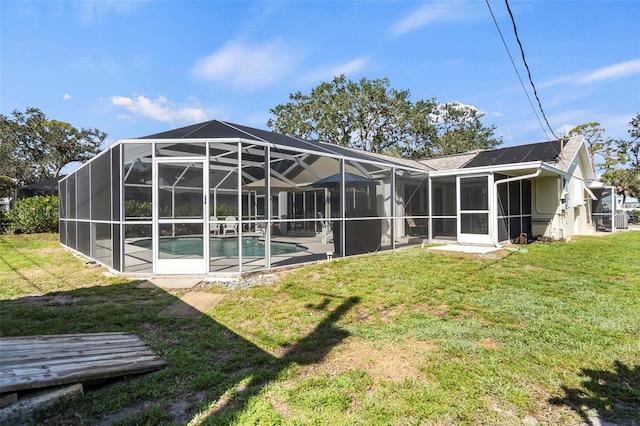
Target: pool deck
139,260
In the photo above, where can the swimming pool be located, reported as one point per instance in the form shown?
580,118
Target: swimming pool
220,247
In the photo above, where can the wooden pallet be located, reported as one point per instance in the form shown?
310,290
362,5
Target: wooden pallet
40,361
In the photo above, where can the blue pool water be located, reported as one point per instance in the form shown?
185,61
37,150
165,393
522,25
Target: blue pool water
220,247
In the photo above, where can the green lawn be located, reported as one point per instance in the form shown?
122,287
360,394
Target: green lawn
546,335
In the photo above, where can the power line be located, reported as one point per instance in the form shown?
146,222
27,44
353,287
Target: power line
516,70
524,59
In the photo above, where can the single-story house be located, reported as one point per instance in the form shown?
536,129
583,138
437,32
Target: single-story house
222,198
42,188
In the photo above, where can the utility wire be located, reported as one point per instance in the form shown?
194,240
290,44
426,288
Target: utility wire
515,31
517,72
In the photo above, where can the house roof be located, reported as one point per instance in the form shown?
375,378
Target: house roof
216,129
560,154
44,187
449,162
401,160
542,151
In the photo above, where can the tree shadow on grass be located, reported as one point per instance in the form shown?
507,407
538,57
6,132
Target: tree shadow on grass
606,395
213,372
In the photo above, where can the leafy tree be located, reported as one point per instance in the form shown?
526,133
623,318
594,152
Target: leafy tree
35,148
594,138
626,181
631,149
365,115
451,128
7,185
369,115
622,162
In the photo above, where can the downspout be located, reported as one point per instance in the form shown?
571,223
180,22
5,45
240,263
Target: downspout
537,173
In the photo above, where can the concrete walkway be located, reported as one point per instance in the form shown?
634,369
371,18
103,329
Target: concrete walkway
191,305
175,282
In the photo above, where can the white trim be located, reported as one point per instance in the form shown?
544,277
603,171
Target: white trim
494,218
298,150
591,194
500,169
180,266
475,238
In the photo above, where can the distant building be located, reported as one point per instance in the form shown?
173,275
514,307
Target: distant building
45,187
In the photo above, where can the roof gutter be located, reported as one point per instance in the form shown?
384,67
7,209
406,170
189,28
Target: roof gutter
507,180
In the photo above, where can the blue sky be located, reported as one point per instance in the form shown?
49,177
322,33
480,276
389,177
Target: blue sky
133,68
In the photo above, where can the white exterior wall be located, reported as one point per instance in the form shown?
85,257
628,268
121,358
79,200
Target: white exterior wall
546,207
560,212
578,205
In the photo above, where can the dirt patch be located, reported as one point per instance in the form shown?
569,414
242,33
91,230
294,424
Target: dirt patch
281,407
533,268
37,272
493,255
191,305
431,307
362,315
391,362
51,300
387,316
490,344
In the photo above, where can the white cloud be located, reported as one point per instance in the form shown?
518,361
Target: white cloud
622,69
460,105
564,129
436,12
66,97
247,67
159,109
347,68
90,11
611,72
616,125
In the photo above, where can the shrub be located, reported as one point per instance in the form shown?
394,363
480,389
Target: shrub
225,210
34,215
4,222
135,208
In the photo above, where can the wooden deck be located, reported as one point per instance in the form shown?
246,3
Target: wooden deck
40,361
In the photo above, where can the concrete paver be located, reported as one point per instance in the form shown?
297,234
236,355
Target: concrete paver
176,282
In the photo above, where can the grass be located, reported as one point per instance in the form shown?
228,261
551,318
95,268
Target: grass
550,335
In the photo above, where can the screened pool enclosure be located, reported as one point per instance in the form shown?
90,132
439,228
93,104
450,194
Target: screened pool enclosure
223,198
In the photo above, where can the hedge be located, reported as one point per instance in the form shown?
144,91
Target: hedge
34,215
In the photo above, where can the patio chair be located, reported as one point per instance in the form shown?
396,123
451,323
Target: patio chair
326,233
416,228
215,227
232,227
